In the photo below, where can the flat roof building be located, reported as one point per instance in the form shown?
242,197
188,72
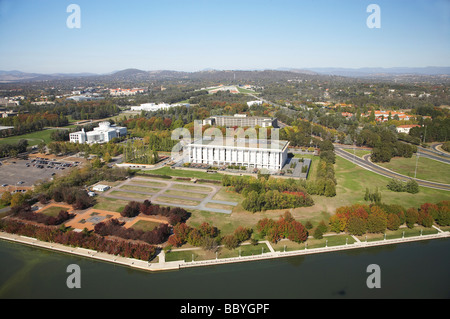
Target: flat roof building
101,188
253,153
241,120
101,134
151,107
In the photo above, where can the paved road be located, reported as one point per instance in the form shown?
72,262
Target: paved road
437,148
366,164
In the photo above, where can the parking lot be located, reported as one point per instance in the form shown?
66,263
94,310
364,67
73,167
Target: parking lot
18,173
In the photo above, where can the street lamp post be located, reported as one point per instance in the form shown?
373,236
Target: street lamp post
417,160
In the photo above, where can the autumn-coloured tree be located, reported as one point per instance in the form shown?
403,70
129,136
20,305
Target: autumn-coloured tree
357,225
393,222
412,216
377,220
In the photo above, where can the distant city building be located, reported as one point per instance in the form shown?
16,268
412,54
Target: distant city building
85,97
5,114
126,92
406,128
255,153
241,120
8,102
251,103
42,103
347,114
101,134
151,107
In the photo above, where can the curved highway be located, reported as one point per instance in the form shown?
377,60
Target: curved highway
440,152
367,164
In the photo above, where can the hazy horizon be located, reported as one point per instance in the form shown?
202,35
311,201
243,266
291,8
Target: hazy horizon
193,35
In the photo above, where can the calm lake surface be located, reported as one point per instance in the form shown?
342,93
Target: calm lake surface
410,270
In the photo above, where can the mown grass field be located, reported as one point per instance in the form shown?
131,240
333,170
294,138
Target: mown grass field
358,152
33,138
427,169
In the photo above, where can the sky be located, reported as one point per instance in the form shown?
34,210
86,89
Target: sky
192,35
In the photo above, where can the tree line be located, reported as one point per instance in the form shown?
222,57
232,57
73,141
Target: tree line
114,227
359,219
27,123
84,239
207,236
285,227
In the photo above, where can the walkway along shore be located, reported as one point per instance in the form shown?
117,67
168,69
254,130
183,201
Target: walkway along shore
174,265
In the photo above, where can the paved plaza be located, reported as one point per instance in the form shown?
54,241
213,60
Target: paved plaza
171,193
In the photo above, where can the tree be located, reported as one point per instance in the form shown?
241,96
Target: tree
132,209
377,220
323,226
41,147
17,199
356,225
230,241
318,234
412,216
107,157
393,222
6,198
366,195
395,185
412,187
242,233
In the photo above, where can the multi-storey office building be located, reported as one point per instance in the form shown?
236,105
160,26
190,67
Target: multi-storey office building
253,153
241,120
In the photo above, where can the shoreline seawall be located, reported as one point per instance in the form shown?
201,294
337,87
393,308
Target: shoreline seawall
162,265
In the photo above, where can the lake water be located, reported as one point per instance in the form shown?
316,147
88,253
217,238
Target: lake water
410,270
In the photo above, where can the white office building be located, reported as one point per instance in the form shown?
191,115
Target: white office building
151,107
252,153
241,120
104,133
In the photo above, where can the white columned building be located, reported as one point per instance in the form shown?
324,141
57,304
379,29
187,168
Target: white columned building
268,154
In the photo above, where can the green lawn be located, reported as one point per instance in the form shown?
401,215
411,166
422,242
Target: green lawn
185,193
53,210
406,232
357,152
245,91
427,169
130,195
111,204
352,181
33,138
145,225
140,188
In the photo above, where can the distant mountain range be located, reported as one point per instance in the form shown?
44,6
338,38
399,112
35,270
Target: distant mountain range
18,76
430,70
